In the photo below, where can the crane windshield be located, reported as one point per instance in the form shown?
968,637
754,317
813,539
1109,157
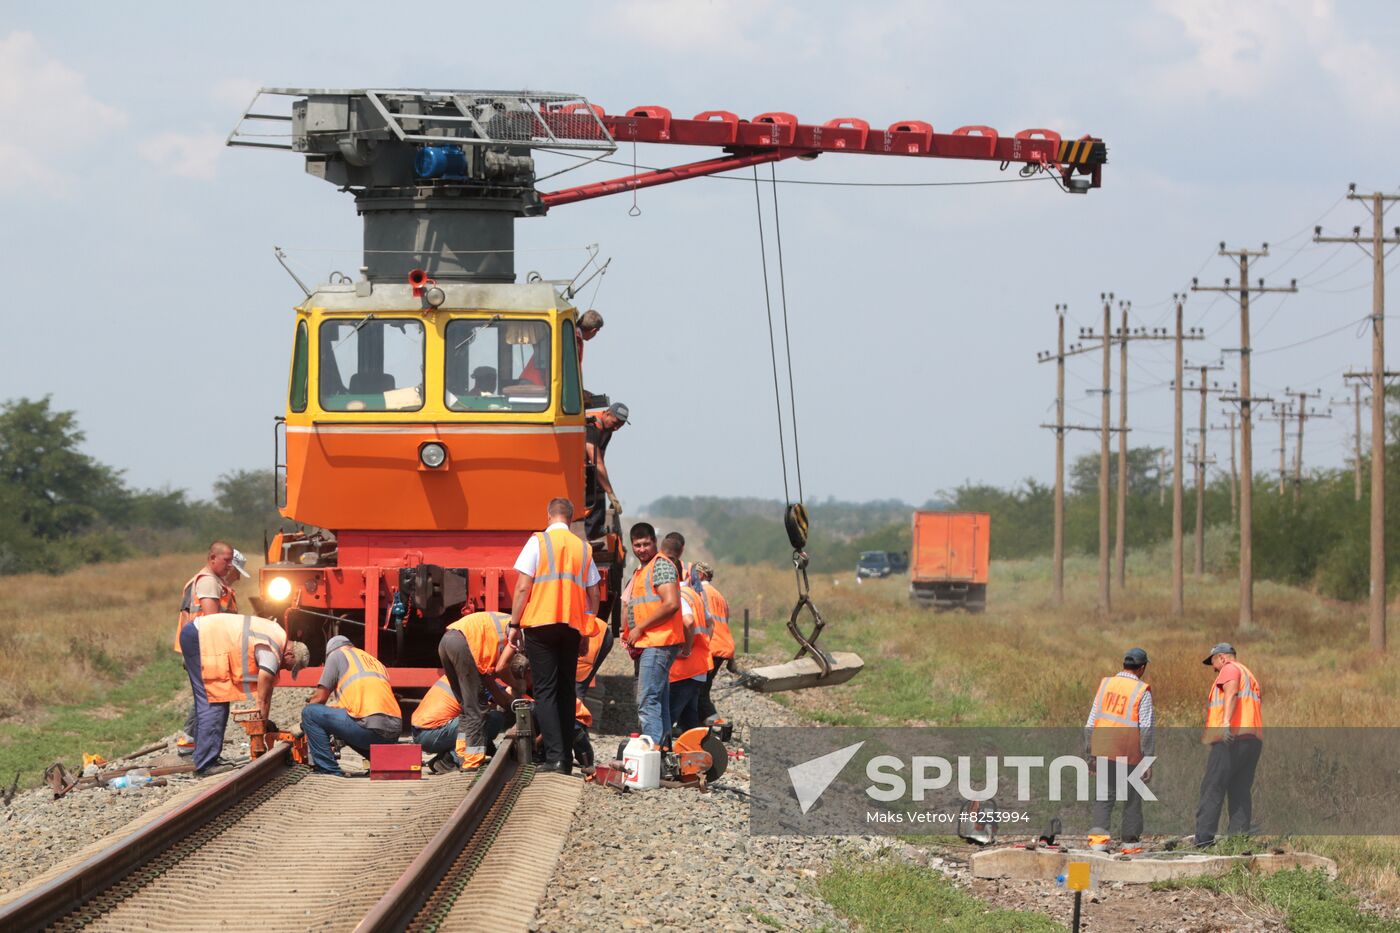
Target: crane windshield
371,364
495,364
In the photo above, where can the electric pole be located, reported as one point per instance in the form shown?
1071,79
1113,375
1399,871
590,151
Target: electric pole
1178,559
1059,426
1106,427
1123,337
1231,428
1303,416
1282,414
1376,203
1205,389
1242,294
1355,404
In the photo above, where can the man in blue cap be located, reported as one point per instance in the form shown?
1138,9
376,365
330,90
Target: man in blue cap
1119,734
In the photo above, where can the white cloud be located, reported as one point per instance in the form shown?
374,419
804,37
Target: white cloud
48,105
1243,51
234,93
188,155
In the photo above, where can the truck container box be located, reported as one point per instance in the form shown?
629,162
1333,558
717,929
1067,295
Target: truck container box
948,564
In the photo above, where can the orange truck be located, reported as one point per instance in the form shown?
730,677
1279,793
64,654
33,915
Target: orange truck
948,566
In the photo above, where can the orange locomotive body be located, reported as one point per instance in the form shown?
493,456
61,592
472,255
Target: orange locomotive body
421,446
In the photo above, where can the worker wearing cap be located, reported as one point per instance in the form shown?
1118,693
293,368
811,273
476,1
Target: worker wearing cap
598,431
209,591
231,658
721,639
474,653
353,702
1235,733
1117,736
556,590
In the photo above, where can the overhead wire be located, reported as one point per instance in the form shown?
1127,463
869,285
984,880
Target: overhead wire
772,340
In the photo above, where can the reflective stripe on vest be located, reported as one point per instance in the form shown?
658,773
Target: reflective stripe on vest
558,593
373,695
484,653
1116,725
191,609
227,647
698,662
644,594
438,707
721,639
1248,718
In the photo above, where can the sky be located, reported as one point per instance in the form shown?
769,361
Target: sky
141,289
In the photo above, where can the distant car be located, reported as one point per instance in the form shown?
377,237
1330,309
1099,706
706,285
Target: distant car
873,564
899,561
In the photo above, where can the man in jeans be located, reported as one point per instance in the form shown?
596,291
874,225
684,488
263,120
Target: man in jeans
353,702
657,628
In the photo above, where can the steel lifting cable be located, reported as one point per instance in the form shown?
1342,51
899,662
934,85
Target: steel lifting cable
795,514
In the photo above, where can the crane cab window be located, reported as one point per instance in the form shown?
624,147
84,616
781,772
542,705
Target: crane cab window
371,364
494,364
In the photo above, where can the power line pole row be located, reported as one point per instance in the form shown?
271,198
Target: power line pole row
1205,389
1234,472
1376,203
1124,336
1282,413
1354,403
1242,294
1303,415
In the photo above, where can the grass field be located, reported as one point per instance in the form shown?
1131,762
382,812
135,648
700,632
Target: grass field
86,663
1026,662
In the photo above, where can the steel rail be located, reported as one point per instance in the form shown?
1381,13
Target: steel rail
399,906
88,879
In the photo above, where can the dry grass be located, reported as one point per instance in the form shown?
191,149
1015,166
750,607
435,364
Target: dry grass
1026,662
65,639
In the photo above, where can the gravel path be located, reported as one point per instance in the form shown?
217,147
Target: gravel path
37,832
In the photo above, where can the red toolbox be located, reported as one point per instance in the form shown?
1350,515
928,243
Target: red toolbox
396,762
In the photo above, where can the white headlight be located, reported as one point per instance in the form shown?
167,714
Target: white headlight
433,455
278,589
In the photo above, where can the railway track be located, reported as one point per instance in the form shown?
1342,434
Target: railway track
275,846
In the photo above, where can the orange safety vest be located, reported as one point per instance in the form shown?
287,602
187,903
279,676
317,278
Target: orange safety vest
699,661
228,646
582,714
438,707
189,606
1116,726
1248,718
486,637
364,688
559,593
593,640
717,611
646,605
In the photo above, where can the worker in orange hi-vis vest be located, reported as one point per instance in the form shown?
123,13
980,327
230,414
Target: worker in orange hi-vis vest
1235,733
207,592
556,590
475,653
721,639
692,664
1117,736
595,641
657,628
353,702
230,659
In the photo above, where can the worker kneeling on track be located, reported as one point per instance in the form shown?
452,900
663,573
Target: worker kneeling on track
232,658
474,653
353,702
499,720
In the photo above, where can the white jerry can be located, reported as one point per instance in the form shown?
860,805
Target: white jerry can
641,759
